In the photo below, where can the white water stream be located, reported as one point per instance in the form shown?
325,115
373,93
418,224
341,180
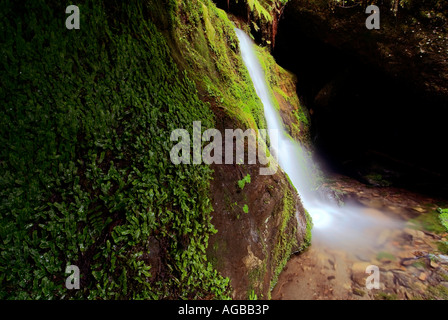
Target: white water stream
350,226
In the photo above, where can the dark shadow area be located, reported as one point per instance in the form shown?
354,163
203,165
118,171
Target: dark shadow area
366,123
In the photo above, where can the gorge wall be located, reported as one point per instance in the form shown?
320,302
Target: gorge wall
86,173
378,98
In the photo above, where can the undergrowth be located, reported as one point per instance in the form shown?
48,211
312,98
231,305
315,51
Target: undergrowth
85,176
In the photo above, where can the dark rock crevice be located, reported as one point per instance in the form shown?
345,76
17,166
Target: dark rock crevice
372,115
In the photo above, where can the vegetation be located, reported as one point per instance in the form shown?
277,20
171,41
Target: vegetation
261,9
443,217
442,246
287,240
385,256
282,85
210,53
242,183
252,295
430,221
385,296
85,176
439,292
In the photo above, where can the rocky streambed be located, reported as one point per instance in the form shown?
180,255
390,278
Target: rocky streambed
411,253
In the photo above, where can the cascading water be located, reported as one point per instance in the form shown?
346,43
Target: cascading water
350,226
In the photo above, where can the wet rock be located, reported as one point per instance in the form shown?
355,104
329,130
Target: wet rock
358,292
434,264
419,209
419,287
388,279
442,259
359,274
419,242
331,262
406,254
362,257
414,233
422,276
382,239
251,261
401,279
408,262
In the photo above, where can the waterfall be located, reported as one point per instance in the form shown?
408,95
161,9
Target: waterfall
292,158
349,224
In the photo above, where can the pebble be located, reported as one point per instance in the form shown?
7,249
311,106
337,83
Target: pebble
408,262
434,264
363,257
406,254
401,278
443,258
382,239
419,209
423,276
419,242
414,233
359,272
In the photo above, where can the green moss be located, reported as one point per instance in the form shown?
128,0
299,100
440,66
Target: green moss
287,239
442,246
242,183
278,80
256,278
438,292
359,292
85,124
443,217
385,255
444,276
217,253
430,221
420,264
86,176
377,179
252,295
210,48
386,296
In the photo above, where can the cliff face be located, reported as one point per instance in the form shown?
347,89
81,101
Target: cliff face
378,97
260,16
411,46
86,173
262,224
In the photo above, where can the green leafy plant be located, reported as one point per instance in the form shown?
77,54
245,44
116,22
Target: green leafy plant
253,295
85,175
443,217
242,183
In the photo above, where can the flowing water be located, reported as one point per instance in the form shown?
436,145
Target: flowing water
350,225
344,237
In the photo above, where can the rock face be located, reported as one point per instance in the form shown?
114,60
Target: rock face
252,248
378,98
261,224
260,16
